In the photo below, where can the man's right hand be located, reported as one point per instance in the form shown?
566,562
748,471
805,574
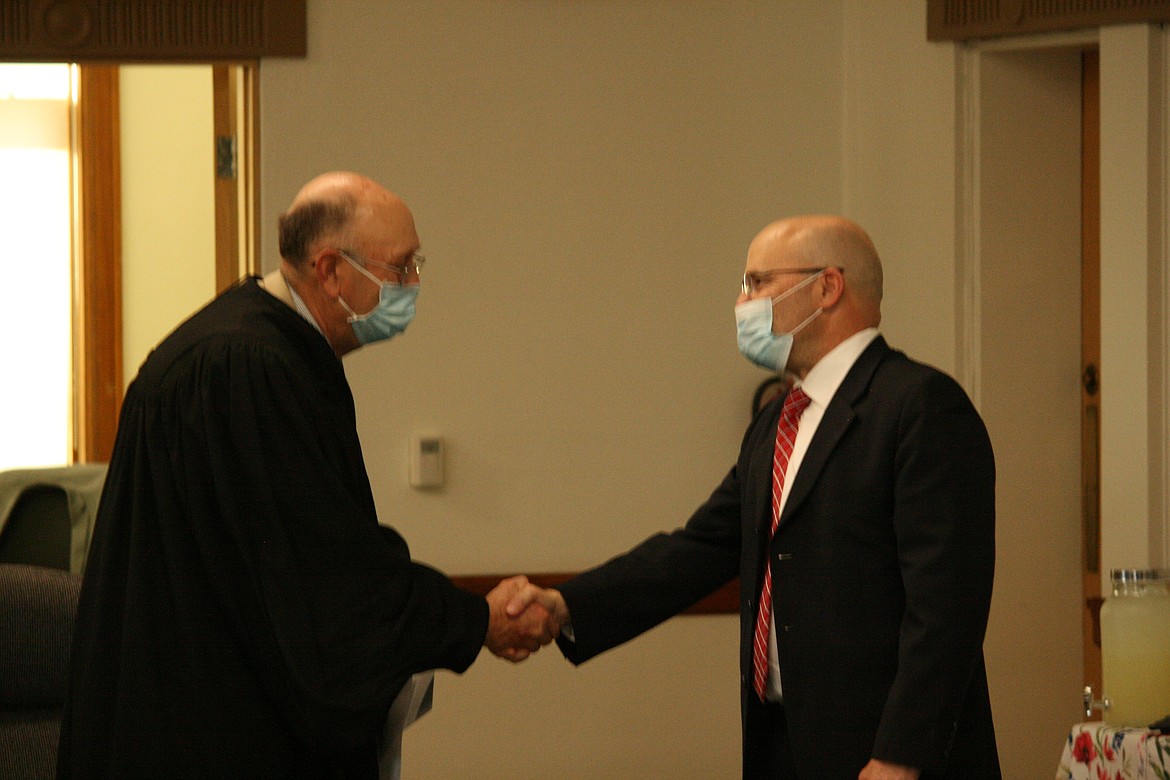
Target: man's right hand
522,618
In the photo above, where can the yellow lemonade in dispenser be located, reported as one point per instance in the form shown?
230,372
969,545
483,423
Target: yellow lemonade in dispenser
1135,647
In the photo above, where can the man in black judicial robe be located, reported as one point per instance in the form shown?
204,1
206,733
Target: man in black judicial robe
243,614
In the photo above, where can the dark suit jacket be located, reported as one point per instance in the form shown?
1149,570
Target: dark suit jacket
882,566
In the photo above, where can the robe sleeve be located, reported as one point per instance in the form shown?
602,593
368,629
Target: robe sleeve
273,491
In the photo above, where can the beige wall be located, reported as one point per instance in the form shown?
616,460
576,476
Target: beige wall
168,217
586,177
898,177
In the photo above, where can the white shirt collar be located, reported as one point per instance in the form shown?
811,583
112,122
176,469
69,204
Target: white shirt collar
276,283
826,376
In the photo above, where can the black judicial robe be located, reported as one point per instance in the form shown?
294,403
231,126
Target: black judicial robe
243,614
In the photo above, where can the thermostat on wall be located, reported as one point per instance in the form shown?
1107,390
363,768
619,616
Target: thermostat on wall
426,461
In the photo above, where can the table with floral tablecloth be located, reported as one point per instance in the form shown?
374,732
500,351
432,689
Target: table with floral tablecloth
1097,751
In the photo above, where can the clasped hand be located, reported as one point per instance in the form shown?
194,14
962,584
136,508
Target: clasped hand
523,618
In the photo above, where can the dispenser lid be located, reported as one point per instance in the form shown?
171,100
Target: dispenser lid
1138,575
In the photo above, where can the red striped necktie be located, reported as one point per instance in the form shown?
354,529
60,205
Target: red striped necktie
794,406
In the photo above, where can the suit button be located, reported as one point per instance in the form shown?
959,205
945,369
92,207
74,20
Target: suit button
787,629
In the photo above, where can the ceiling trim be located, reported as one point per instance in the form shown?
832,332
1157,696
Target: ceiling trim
961,20
150,30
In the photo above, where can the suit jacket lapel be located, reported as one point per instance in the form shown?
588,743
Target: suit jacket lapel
839,415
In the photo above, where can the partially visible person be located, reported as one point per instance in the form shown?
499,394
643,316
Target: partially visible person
860,520
243,613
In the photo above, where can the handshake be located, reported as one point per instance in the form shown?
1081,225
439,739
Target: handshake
523,618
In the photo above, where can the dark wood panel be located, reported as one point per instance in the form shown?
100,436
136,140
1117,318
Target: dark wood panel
975,19
151,30
721,602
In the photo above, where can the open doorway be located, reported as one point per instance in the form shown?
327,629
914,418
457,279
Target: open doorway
156,215
35,198
1024,222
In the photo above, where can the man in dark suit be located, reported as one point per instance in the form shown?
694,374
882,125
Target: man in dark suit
872,502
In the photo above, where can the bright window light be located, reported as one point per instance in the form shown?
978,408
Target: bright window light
34,82
35,307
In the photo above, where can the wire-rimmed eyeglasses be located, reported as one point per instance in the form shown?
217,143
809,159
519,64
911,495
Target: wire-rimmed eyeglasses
413,264
753,279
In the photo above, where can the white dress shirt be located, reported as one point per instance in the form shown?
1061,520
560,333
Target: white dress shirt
820,385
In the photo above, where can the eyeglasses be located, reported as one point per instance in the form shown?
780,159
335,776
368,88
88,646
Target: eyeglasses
413,264
753,279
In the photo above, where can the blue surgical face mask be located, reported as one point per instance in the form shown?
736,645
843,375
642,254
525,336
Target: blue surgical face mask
753,324
391,315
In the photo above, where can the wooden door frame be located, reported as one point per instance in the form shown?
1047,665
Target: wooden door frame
1090,363
97,293
98,362
100,36
236,225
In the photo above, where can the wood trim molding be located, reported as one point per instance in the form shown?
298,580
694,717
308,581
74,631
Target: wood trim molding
968,319
227,202
234,117
98,297
150,30
960,20
724,601
1160,474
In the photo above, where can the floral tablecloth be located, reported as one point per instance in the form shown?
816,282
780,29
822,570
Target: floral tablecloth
1096,751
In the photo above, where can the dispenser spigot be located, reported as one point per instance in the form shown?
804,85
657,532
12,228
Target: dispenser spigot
1091,704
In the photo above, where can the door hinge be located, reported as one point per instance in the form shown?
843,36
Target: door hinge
225,157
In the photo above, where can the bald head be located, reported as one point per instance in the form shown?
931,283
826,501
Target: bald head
340,240
340,209
824,274
825,240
